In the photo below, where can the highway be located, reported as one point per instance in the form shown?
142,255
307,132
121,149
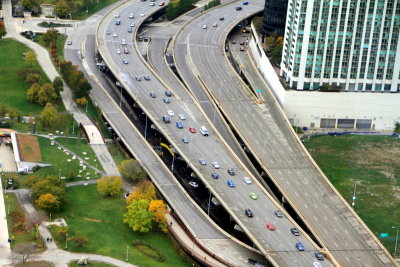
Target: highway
235,200
199,56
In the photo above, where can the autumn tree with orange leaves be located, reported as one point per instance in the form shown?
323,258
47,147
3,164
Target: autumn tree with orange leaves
159,209
48,202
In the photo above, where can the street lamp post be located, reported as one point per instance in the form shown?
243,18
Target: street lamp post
354,194
59,174
397,238
50,217
209,203
145,128
127,247
173,160
66,241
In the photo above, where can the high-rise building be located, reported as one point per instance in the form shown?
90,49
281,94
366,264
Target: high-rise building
348,44
274,17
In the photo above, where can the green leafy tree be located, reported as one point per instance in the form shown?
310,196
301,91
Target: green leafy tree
132,171
62,9
46,94
31,4
71,174
58,85
138,217
47,185
50,36
49,116
33,92
30,57
397,127
80,240
109,185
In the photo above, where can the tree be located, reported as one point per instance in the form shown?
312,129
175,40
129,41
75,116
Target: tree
138,217
58,85
24,251
47,185
144,190
81,101
33,92
2,30
80,240
48,202
132,171
30,57
109,185
24,72
49,115
397,127
46,94
62,9
159,209
50,36
71,174
33,78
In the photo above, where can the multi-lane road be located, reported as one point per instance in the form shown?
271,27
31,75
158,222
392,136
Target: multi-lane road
211,148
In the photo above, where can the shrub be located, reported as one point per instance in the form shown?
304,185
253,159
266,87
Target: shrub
148,250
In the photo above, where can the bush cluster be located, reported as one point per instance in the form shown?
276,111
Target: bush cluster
148,250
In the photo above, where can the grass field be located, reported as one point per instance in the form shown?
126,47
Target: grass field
12,88
100,220
373,162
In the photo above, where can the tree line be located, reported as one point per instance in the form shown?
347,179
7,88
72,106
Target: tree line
175,8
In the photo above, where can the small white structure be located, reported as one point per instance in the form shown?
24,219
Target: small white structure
47,9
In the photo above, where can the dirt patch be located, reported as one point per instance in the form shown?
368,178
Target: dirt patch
92,220
28,148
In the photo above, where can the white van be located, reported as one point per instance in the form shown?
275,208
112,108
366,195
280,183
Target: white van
204,131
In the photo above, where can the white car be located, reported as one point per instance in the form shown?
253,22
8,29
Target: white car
132,24
194,184
215,165
115,34
247,180
171,113
142,14
117,15
118,51
182,117
317,264
123,42
215,24
151,4
204,26
131,16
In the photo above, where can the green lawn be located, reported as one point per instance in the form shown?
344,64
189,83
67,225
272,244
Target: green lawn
100,220
58,159
12,88
372,161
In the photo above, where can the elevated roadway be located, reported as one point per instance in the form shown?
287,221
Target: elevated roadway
276,245
202,63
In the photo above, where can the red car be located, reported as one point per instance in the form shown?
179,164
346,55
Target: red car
270,226
161,4
192,129
126,51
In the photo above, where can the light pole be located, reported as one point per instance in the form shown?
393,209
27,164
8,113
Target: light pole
145,128
209,203
127,247
66,241
173,160
120,97
50,217
397,238
354,194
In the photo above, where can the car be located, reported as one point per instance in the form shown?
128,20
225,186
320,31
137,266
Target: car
117,15
214,175
270,226
231,183
317,264
69,42
118,51
108,32
161,4
299,246
278,214
231,171
126,51
115,34
138,78
168,93
142,14
151,4
233,41
118,22
241,43
248,212
319,256
166,100
247,180
253,195
215,165
194,184
182,117
238,8
171,113
245,3
241,48
294,231
131,16
132,24
146,77
192,129
204,26
179,124
166,119
153,95
125,61
221,18
130,30
215,24
123,42
185,140
203,162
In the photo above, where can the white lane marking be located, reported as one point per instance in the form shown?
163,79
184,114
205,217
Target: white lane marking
325,218
315,218
347,259
306,206
296,194
325,231
335,244
305,193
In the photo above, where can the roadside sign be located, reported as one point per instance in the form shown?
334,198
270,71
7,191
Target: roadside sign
259,91
384,235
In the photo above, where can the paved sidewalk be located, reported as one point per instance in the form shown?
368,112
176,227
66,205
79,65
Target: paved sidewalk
5,251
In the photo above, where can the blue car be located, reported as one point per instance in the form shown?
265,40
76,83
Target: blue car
231,183
299,246
179,125
214,175
245,3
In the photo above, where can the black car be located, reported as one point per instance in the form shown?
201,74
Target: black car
319,256
231,171
166,119
168,93
295,231
248,213
147,77
238,8
153,95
